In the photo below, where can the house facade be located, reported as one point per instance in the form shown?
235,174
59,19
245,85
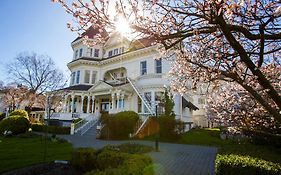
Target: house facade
123,75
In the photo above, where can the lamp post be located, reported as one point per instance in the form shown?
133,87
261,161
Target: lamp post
157,103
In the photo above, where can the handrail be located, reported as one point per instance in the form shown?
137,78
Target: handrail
141,97
87,123
142,125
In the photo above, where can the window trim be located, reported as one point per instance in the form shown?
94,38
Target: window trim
158,66
143,70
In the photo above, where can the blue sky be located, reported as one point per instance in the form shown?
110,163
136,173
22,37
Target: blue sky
34,26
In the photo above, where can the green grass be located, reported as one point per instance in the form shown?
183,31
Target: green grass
211,137
18,152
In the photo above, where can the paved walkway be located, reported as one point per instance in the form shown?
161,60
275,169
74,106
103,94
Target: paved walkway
172,159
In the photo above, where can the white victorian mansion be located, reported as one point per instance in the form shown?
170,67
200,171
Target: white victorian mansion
122,75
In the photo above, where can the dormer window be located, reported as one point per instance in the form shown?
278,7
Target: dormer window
96,54
80,52
91,52
115,51
76,54
110,53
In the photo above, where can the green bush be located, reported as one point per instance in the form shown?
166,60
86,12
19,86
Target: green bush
16,124
167,127
51,129
2,116
110,159
120,125
232,164
130,164
19,112
131,148
84,159
264,138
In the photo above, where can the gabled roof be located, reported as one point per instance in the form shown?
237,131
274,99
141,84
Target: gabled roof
91,32
100,85
80,87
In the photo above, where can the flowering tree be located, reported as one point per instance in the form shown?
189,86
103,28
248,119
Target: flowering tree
230,104
14,95
214,40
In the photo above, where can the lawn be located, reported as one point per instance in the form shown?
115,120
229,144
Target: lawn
210,137
16,152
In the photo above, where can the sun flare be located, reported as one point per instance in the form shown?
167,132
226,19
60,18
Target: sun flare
122,26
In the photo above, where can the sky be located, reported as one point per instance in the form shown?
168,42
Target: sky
34,26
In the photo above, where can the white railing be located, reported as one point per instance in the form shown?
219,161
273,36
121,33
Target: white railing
143,99
145,102
84,125
141,126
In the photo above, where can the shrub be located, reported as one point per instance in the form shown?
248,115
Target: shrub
2,116
84,159
232,164
167,127
264,138
120,125
110,159
131,148
51,129
16,124
19,112
131,165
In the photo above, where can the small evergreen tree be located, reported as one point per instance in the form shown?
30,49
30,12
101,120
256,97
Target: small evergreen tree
168,104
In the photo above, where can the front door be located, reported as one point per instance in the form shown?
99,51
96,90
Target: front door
105,106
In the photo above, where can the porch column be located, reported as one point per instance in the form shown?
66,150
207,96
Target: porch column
118,97
153,104
65,104
122,101
93,103
72,104
82,103
88,104
113,101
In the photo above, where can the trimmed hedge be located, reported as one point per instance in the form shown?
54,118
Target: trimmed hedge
107,161
245,165
131,148
120,125
16,124
168,127
19,112
133,165
51,129
84,159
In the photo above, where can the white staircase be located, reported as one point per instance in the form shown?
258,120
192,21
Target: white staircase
84,125
145,102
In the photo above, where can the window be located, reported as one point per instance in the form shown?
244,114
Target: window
91,52
122,50
158,66
159,96
93,77
96,54
143,70
147,95
87,76
76,54
201,100
115,51
73,78
80,52
78,77
110,53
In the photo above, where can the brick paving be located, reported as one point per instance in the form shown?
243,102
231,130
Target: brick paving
172,159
